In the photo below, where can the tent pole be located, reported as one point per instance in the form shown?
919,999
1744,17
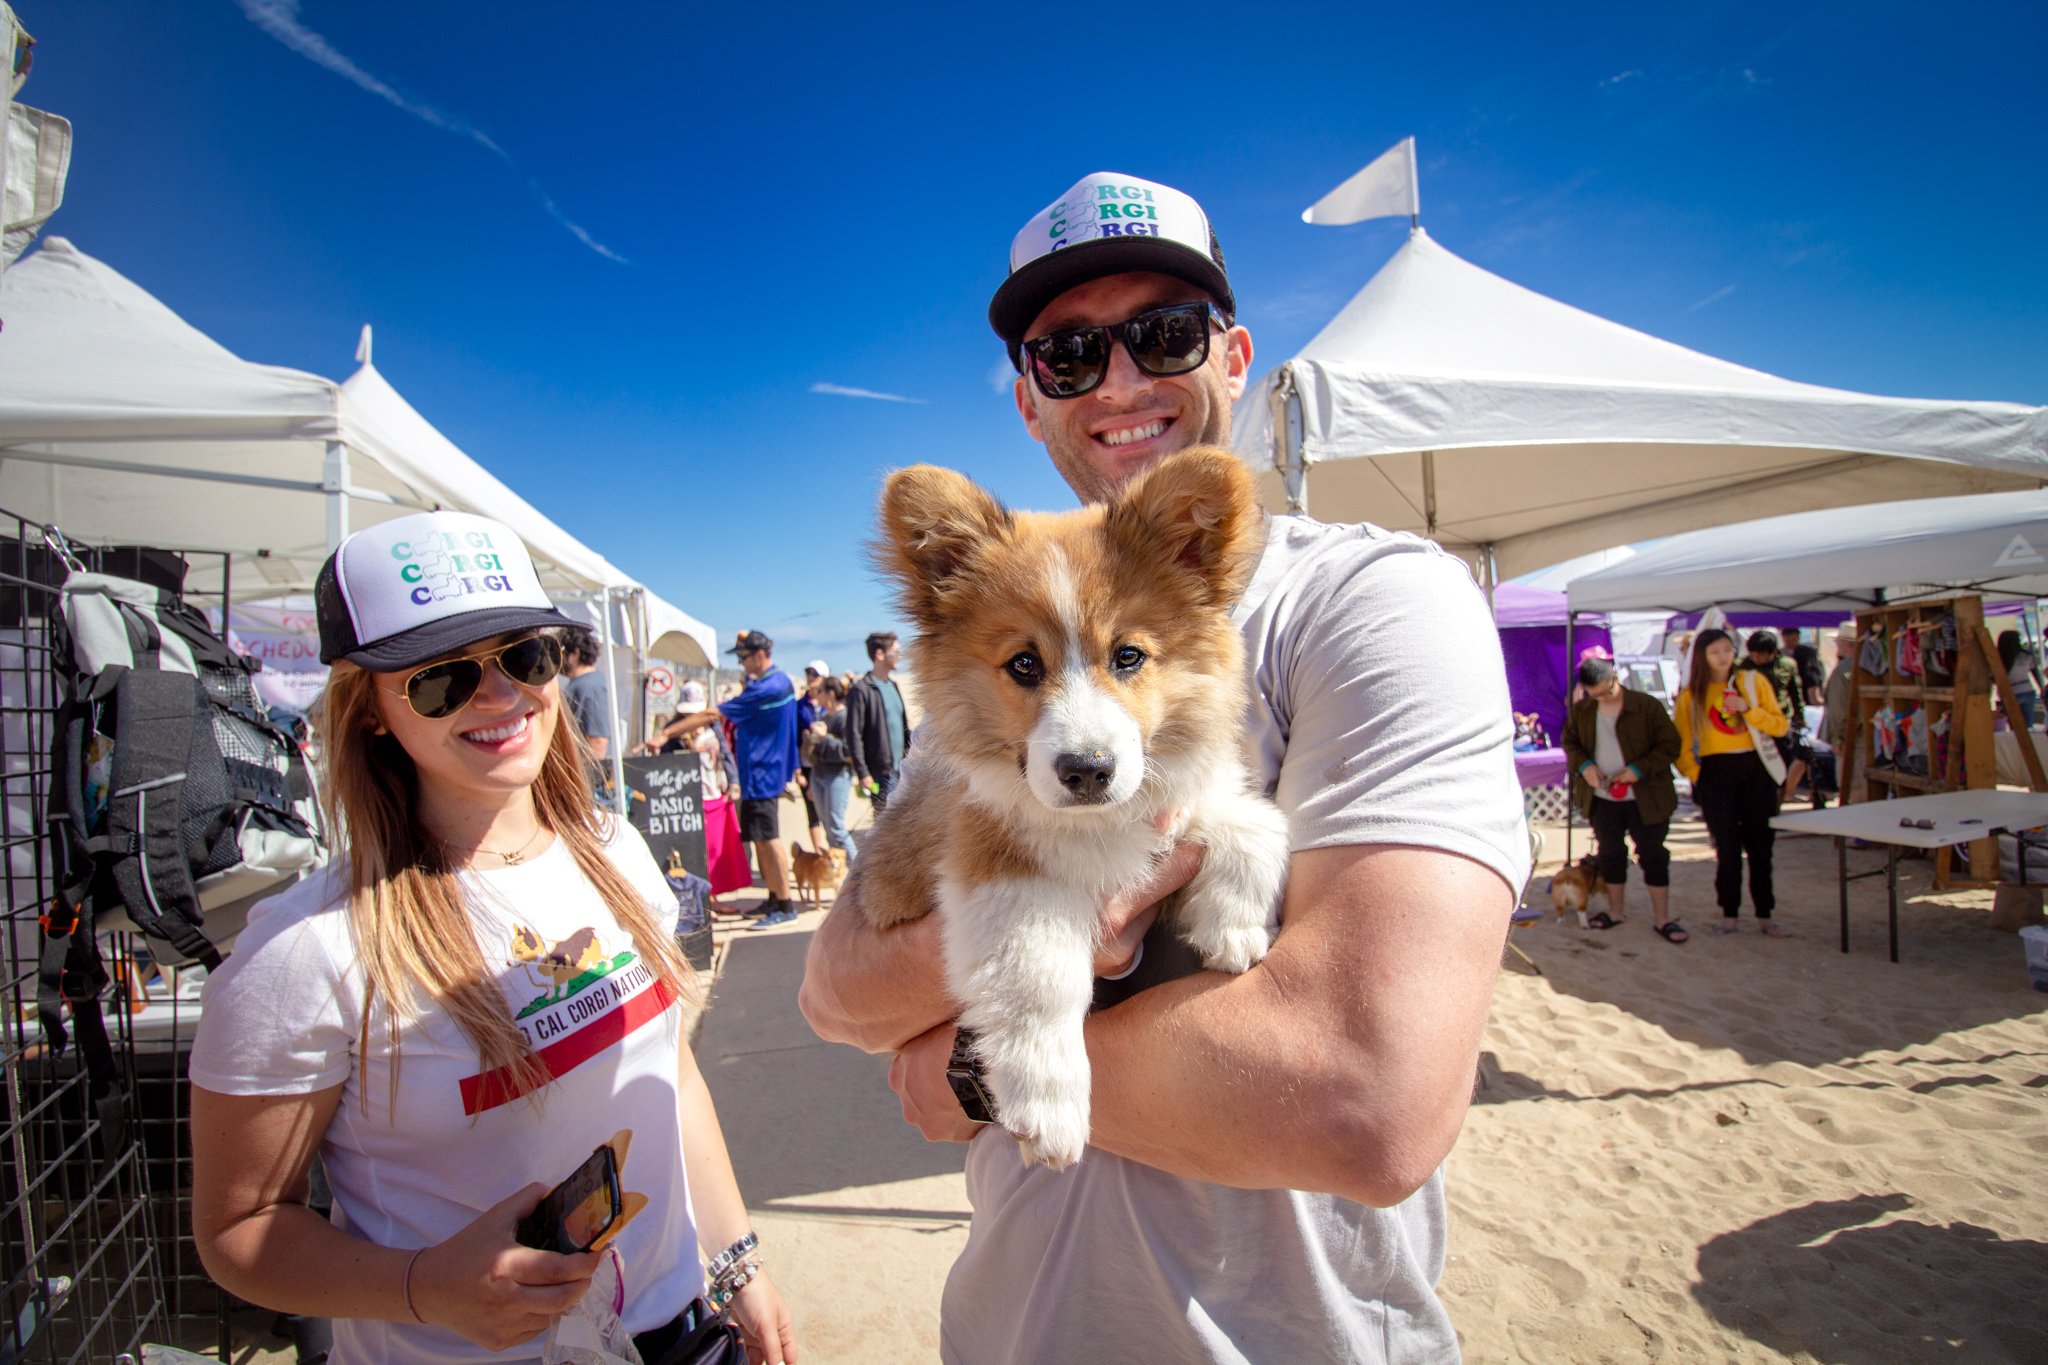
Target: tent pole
1429,493
1287,456
616,751
334,484
1571,619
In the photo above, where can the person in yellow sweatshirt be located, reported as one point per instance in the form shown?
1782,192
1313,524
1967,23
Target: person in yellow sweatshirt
1719,714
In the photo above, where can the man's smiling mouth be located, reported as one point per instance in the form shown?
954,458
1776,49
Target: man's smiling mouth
1123,436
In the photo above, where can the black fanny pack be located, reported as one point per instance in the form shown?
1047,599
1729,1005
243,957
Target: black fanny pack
698,1335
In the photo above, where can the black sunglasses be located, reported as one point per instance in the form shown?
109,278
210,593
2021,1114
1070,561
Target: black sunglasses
445,687
1163,342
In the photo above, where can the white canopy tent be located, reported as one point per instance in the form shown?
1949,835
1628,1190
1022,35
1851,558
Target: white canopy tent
123,424
1842,559
1519,431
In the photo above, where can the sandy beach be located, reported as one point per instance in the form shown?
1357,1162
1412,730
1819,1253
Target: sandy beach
1753,1149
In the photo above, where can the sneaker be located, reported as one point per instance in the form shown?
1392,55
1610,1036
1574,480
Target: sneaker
767,907
782,914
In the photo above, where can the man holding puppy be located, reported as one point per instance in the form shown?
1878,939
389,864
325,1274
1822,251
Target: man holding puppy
1263,1181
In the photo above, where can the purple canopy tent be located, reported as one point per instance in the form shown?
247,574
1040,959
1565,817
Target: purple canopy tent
1540,651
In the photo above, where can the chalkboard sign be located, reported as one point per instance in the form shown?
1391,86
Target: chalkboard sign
665,802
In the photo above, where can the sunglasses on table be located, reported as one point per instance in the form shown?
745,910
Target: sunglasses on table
1163,342
444,687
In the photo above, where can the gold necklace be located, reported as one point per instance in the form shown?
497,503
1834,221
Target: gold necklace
512,859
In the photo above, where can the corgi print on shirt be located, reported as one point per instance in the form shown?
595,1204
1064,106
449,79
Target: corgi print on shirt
589,1000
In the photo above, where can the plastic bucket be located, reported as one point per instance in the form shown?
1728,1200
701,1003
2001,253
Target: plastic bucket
2035,937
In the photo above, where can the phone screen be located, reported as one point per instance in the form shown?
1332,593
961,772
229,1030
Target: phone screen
578,1211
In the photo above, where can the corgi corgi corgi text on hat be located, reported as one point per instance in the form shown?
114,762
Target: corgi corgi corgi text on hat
1082,681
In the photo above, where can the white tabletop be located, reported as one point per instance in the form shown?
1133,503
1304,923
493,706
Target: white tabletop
1878,821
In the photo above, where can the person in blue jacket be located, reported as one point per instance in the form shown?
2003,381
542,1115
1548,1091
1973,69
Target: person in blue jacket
764,722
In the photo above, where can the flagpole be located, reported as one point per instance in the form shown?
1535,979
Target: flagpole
1414,191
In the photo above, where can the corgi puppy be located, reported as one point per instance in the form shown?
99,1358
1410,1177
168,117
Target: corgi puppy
813,872
1573,888
1084,695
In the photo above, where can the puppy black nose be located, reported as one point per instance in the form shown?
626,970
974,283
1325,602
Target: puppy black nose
1086,775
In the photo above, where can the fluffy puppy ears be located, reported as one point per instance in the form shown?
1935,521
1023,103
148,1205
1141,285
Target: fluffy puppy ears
1196,510
932,522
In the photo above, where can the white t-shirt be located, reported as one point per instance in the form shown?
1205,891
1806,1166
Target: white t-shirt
1380,715
283,1016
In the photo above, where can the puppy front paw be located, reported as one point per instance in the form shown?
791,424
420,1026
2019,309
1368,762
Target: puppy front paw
1049,1132
1232,948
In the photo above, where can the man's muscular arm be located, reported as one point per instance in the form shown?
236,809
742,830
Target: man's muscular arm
1341,1063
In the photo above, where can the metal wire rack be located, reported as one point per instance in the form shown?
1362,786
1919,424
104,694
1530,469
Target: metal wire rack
96,1254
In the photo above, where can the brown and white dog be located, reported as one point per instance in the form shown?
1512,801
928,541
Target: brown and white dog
1573,888
813,872
1084,698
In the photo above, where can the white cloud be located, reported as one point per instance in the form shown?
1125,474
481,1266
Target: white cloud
1710,300
280,19
842,391
1630,75
1002,377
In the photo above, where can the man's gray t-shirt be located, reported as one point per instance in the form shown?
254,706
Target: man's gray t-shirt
1364,735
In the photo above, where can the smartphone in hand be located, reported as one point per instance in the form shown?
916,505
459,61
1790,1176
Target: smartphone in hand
575,1214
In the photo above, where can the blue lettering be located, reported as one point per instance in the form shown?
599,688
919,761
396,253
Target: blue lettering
423,596
1112,229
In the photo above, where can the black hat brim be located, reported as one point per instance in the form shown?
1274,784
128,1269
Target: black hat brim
430,641
1024,295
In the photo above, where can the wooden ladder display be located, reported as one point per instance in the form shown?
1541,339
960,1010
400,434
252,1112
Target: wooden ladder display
1961,695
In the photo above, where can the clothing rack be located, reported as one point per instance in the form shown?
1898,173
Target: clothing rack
1953,696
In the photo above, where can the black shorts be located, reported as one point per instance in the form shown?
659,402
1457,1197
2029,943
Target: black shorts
760,821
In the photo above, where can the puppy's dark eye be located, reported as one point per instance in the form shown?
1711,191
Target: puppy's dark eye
1127,658
1026,669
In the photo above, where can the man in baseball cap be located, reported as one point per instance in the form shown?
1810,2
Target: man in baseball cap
1282,1109
764,723
1120,318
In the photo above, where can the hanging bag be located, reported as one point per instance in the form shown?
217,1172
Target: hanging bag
1766,747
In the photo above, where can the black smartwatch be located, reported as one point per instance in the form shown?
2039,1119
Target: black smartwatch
970,1087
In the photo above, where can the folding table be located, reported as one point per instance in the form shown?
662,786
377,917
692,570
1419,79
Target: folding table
1957,817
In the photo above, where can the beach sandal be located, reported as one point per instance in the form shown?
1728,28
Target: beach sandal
1671,931
1725,927
1773,930
1602,920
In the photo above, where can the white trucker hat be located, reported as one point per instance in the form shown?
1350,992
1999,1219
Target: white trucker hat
405,591
1107,224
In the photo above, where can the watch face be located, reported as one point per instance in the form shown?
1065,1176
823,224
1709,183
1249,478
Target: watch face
974,1098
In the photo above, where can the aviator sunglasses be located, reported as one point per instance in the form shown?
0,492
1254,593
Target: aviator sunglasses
443,688
1163,342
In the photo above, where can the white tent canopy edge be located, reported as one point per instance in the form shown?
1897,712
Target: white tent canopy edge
1843,558
123,424
1508,426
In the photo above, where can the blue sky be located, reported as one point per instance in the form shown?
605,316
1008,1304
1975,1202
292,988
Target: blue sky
626,255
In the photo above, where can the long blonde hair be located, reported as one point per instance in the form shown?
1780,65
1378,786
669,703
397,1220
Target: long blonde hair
407,909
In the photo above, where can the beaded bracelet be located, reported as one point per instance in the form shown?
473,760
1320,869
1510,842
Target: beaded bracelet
730,1257
727,1286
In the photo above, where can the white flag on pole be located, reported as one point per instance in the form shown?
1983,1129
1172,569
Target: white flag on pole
1385,189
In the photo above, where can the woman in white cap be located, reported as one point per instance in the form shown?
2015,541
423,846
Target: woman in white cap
475,999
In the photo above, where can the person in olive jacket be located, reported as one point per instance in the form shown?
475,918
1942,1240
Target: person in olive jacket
1621,744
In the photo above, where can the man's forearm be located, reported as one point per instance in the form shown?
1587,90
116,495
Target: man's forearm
1343,1063
873,988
